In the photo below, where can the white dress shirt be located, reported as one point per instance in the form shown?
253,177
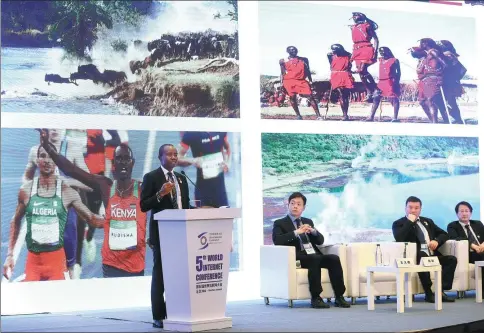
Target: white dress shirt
177,186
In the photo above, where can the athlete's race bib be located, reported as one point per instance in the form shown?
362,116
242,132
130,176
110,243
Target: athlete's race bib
123,235
212,165
45,230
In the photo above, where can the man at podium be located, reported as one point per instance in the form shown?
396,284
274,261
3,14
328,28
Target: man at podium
162,189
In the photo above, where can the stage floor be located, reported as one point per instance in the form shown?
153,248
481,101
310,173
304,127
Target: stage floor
255,316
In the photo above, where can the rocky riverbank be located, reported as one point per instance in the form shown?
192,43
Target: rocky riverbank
199,88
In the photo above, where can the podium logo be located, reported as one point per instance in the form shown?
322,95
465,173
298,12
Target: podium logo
203,240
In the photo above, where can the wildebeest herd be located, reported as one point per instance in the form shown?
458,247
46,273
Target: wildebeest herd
184,46
89,72
188,46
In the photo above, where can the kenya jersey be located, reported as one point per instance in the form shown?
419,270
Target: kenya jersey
125,231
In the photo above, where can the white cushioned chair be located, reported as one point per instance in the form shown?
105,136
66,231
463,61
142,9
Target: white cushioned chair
463,275
281,278
361,255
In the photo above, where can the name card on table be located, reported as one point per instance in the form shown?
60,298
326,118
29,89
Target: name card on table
404,262
429,261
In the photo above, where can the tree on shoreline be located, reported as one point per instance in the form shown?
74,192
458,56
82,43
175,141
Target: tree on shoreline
77,23
73,23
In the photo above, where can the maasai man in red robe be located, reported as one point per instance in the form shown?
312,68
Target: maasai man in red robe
341,78
294,72
388,84
365,46
431,72
420,55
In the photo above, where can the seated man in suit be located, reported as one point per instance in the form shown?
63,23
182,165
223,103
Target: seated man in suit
297,231
467,229
429,237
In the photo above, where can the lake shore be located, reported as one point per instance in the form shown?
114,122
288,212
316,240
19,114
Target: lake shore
337,172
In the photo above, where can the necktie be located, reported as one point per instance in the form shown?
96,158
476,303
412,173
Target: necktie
421,238
420,233
470,236
298,222
174,196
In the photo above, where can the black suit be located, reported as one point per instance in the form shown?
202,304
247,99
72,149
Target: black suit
152,183
283,234
405,230
457,232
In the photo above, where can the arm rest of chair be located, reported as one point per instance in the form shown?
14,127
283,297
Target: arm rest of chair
357,258
460,250
278,271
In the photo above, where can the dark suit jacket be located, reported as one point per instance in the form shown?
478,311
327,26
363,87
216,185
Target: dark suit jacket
283,234
404,231
457,232
152,183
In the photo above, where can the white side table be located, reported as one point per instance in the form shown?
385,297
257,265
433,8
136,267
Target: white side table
404,282
478,268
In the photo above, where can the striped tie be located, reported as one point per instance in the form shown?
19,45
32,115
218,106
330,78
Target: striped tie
174,196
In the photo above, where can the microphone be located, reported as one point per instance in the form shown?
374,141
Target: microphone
405,250
195,186
185,175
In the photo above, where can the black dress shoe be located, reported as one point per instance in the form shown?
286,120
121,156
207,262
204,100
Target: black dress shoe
447,299
341,302
429,297
318,303
158,323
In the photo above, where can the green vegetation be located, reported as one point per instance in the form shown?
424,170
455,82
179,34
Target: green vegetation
290,153
71,24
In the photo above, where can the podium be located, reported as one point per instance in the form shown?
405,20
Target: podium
195,252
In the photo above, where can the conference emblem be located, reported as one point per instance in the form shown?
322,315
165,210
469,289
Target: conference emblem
203,240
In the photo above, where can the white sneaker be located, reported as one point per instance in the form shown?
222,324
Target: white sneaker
75,272
90,250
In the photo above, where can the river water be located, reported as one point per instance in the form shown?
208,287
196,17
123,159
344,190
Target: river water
24,89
